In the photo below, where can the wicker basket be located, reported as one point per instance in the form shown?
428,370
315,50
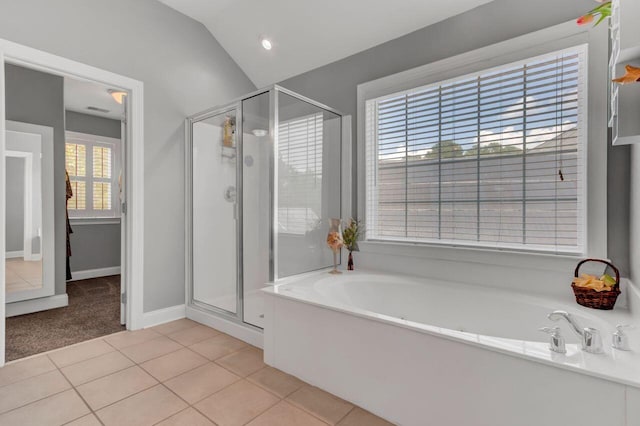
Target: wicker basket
590,298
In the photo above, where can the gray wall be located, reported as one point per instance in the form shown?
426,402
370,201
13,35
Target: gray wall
38,98
92,125
15,204
335,84
94,246
184,70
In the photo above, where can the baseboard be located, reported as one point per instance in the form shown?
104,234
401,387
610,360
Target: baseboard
13,254
246,334
94,273
160,316
36,305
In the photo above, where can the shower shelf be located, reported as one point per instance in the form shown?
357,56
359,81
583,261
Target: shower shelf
229,152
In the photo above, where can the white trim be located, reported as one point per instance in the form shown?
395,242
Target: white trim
95,273
161,316
134,245
551,39
347,167
13,254
36,305
2,208
239,331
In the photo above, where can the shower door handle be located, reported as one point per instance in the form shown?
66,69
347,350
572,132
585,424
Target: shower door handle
230,194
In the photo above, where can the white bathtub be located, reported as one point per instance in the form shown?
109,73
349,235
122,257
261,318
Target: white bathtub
440,353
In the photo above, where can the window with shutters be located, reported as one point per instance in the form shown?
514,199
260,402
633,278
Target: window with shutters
300,174
92,163
493,159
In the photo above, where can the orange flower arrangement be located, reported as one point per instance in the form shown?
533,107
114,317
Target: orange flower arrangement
334,240
632,75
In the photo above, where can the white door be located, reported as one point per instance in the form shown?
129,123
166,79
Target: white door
123,212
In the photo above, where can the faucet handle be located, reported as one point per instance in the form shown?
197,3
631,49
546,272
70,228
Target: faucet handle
620,340
591,341
556,342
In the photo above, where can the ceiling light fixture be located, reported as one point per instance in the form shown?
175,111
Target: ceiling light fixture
266,43
117,95
259,132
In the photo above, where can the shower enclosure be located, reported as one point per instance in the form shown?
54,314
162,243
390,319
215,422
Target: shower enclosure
263,178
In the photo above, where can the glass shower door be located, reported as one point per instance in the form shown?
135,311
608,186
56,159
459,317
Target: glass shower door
214,218
257,152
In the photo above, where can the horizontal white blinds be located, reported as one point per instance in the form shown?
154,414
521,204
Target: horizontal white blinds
300,174
492,159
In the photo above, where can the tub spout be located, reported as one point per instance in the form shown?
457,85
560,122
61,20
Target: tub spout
556,315
590,337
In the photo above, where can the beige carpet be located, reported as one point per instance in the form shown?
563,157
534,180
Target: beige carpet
93,311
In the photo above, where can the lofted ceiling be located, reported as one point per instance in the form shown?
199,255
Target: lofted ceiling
307,34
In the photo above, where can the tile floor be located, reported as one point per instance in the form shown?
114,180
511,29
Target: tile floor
179,373
23,275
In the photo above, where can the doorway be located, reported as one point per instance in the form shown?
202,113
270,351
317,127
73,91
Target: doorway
131,181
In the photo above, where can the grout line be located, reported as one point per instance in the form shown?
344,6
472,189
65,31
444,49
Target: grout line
172,377
125,398
82,360
269,408
306,410
204,415
34,401
150,359
31,377
81,397
353,407
219,390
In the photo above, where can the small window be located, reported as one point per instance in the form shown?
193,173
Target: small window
493,159
93,166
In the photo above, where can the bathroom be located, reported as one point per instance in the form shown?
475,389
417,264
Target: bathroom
244,144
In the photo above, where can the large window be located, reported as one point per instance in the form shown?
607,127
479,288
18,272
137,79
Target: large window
492,159
93,168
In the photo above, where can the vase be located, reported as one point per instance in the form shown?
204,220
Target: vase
335,243
350,262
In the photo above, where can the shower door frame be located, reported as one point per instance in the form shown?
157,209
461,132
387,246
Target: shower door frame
237,105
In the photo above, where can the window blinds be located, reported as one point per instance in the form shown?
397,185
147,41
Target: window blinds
300,173
492,159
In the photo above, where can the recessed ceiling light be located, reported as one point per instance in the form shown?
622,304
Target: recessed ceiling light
266,43
259,132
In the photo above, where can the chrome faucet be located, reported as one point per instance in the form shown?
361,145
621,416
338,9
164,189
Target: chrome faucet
556,341
590,337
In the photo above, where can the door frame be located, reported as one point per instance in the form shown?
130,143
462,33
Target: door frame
133,220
